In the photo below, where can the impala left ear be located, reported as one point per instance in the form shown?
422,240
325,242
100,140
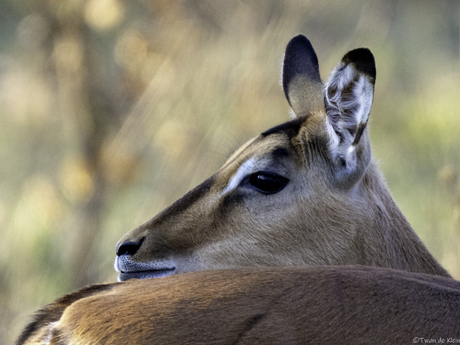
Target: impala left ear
348,99
301,80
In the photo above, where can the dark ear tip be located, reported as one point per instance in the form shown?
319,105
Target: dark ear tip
301,45
363,59
299,40
300,58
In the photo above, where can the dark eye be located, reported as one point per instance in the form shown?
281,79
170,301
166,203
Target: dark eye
267,182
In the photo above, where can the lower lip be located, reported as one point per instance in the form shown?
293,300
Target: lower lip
145,274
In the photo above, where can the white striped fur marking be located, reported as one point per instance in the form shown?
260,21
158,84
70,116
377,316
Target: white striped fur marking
243,170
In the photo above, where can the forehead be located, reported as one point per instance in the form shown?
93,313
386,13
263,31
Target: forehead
290,129
275,142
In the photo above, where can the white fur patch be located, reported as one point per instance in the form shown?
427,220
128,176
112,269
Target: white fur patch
359,99
49,335
333,138
241,173
363,95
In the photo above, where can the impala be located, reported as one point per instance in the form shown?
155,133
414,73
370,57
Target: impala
273,230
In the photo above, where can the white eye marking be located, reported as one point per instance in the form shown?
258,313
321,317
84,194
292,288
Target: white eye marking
243,170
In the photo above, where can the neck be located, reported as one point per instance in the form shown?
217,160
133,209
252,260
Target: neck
393,243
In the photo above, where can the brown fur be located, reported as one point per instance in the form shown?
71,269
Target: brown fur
327,305
53,312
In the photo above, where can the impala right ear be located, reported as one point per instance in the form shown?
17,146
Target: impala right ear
301,80
348,96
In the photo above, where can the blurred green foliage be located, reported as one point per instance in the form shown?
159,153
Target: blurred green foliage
110,110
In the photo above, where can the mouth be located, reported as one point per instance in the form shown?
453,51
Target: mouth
145,274
129,269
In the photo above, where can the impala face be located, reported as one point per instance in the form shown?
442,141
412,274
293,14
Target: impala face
242,215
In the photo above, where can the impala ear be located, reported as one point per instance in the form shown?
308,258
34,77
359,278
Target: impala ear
348,98
301,81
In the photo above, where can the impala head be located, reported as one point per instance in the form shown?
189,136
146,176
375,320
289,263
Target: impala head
301,193
286,196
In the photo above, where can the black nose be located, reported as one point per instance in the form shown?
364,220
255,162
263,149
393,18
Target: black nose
129,248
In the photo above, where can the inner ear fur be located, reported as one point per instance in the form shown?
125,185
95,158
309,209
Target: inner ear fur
348,97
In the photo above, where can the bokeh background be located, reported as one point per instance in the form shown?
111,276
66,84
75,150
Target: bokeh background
110,110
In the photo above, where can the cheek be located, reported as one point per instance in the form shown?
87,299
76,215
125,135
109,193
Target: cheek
224,254
230,205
